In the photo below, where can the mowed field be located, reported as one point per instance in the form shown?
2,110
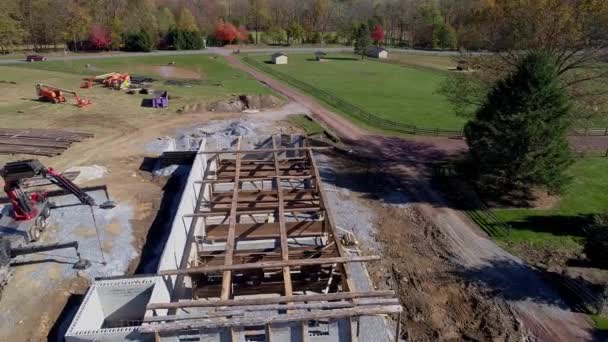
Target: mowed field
402,94
560,225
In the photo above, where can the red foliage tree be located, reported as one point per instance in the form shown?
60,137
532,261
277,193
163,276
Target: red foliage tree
100,37
378,34
226,32
242,34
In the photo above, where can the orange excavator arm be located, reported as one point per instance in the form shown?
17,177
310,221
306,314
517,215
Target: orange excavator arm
49,92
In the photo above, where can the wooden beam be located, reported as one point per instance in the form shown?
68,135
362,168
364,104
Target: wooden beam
253,179
223,313
230,240
270,300
264,230
228,266
283,149
282,227
272,319
310,306
247,211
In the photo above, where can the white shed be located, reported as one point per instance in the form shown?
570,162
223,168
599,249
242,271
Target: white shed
279,58
377,52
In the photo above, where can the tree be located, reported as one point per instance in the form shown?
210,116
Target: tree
141,41
225,32
378,35
275,34
574,33
166,20
294,31
77,24
116,29
185,21
444,37
242,34
362,40
11,32
259,13
518,138
100,37
596,244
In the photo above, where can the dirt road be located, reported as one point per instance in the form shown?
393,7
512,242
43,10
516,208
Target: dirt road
540,310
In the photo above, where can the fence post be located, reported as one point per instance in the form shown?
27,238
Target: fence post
606,131
436,132
606,154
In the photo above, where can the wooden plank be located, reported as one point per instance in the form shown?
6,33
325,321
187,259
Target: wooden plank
230,241
311,306
40,151
264,230
228,266
271,319
260,151
253,179
282,226
261,210
270,300
225,313
35,142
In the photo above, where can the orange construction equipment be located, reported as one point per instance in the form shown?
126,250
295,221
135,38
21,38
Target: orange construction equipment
117,81
56,95
88,83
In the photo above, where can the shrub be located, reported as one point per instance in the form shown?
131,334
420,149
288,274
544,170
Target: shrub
141,41
184,40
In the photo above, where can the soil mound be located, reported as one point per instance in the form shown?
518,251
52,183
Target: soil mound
244,102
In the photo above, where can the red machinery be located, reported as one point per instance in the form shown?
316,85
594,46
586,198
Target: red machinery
56,95
34,205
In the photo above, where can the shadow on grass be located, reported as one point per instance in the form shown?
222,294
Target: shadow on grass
334,59
558,225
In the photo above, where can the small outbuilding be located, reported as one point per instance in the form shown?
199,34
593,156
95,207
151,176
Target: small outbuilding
377,52
320,56
279,58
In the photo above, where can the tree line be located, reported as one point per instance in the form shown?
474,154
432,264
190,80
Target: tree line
115,24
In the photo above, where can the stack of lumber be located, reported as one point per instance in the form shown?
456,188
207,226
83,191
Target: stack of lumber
40,142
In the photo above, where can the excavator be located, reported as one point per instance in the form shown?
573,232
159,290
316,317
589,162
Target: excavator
57,95
29,211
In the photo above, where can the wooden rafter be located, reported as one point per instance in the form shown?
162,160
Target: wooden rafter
282,227
230,240
228,266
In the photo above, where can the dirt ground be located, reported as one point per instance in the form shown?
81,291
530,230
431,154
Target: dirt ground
120,147
438,303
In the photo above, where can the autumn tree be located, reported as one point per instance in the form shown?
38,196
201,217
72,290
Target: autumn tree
10,28
100,37
517,140
186,21
76,26
166,20
378,35
259,14
574,33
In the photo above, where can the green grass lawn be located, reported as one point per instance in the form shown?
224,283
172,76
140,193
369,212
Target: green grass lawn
601,322
561,226
393,92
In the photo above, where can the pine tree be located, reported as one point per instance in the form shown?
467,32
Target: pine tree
362,40
518,137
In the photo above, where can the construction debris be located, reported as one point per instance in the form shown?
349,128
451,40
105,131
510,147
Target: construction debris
41,142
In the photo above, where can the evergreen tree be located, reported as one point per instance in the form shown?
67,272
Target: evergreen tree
518,137
363,40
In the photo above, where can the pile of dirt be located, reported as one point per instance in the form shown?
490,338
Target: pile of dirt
438,303
245,102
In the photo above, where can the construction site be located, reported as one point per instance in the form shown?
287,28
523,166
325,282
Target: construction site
200,199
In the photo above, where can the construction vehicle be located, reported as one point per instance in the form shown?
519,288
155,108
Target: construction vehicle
112,80
57,95
29,211
7,253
